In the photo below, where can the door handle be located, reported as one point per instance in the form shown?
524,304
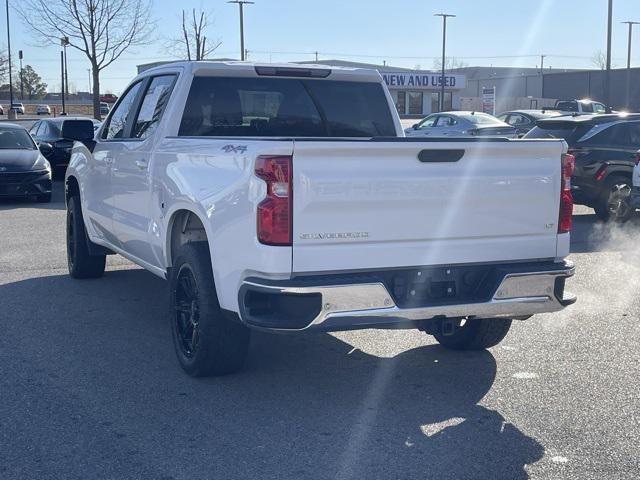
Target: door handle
141,164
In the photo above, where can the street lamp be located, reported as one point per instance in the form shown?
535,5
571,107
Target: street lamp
21,82
11,113
608,73
631,24
241,4
444,46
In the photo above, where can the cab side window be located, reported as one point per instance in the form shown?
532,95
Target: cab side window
117,122
153,105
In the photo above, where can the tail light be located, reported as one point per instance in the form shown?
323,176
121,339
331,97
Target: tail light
275,215
565,217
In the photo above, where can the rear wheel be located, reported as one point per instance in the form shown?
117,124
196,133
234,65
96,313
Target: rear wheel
81,264
615,201
206,341
475,334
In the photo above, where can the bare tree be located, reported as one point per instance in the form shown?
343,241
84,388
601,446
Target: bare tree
599,59
102,29
450,63
193,43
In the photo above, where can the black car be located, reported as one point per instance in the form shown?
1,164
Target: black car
605,147
23,169
525,120
48,134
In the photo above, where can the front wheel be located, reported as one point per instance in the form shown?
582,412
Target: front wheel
80,262
206,341
475,334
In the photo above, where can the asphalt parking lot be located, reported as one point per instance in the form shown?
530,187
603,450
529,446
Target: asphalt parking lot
90,387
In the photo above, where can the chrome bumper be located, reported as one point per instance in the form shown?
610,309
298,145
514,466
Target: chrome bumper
367,305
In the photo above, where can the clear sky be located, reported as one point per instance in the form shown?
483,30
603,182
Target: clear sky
402,32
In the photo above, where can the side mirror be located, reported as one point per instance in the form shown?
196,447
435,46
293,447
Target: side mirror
415,126
45,148
80,130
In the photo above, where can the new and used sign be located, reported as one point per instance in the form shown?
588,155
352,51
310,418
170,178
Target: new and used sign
423,80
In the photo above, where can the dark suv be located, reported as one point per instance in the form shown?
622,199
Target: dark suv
605,147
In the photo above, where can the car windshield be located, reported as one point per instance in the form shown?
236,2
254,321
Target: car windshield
480,118
16,139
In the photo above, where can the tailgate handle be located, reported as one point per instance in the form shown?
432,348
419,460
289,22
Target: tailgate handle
440,156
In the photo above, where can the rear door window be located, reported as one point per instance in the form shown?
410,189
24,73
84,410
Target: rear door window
117,122
153,105
284,107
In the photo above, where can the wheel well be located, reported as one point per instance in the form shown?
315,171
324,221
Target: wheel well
72,188
185,227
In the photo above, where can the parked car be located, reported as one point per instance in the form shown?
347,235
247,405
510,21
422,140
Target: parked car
605,147
244,198
24,171
461,124
104,108
635,189
525,120
43,110
579,106
108,98
49,132
18,107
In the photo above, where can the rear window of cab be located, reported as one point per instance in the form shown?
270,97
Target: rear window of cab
285,107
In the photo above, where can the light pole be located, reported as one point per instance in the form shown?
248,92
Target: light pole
64,41
21,83
444,49
241,4
631,24
608,72
11,114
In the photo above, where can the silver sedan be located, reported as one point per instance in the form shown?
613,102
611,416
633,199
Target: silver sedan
461,124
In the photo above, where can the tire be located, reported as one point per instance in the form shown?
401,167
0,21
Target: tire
207,343
80,263
614,203
476,334
44,198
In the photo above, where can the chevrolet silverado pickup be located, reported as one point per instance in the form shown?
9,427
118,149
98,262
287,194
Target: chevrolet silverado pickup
287,199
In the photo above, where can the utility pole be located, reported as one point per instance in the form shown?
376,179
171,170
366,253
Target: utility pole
607,82
64,112
21,83
316,56
241,4
631,24
11,114
444,49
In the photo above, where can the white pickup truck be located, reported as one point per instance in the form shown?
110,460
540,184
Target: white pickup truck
286,198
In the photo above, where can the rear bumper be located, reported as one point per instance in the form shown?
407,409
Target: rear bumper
331,304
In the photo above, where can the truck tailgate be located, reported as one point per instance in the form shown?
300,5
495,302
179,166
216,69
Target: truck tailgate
392,203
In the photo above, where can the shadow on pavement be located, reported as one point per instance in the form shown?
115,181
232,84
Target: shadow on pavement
90,388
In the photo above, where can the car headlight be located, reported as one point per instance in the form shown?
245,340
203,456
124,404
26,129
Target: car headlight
41,164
